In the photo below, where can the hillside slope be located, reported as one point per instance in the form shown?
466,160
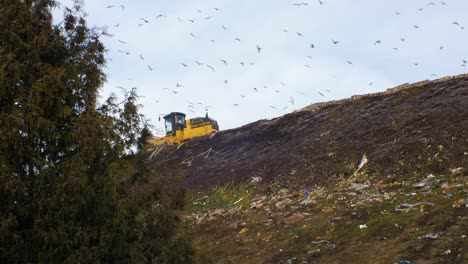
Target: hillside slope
400,131
380,178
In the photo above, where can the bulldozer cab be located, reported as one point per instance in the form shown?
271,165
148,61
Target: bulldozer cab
173,122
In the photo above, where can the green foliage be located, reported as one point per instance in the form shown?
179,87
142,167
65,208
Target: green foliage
72,184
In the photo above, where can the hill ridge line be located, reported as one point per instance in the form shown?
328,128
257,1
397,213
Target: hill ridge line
393,90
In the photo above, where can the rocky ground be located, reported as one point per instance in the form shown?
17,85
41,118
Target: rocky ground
378,178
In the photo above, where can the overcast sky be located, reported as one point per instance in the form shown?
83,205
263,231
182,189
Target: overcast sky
379,44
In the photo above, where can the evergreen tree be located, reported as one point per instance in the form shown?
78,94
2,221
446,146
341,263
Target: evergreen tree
73,186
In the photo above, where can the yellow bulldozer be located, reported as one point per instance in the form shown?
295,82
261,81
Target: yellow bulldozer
178,129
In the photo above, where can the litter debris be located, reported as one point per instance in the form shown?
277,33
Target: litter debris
330,244
430,236
425,182
236,202
156,151
358,186
294,218
243,231
256,179
407,206
362,226
361,164
404,261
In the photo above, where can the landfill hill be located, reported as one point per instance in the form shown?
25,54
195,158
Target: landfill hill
378,178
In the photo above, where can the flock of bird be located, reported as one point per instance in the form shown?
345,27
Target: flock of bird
289,94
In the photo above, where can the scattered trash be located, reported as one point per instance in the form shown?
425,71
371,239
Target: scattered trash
425,182
362,226
243,231
180,145
294,218
156,151
448,251
358,186
407,206
313,252
404,261
361,164
282,204
236,202
330,244
306,193
256,179
430,236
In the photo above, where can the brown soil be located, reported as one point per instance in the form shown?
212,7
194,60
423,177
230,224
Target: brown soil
410,129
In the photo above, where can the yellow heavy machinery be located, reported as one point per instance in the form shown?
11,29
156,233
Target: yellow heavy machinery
178,129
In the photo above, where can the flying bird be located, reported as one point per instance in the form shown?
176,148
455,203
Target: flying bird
149,67
299,34
312,45
193,35
335,41
224,61
183,64
109,6
144,20
209,66
378,42
258,49
416,26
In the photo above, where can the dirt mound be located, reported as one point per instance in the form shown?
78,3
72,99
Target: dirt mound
409,129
